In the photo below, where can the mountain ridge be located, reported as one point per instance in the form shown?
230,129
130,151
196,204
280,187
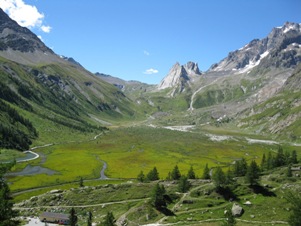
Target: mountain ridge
50,89
249,56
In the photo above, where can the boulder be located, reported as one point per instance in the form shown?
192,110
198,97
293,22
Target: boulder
248,203
237,210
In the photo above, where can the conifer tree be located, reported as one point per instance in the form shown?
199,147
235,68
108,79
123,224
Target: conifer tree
191,174
153,174
175,173
184,184
289,171
243,166
6,205
252,174
280,158
294,158
157,198
295,201
90,216
287,158
229,177
81,182
270,161
72,217
206,172
141,176
219,178
240,167
109,220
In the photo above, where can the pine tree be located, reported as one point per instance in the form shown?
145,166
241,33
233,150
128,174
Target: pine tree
157,198
175,173
252,174
270,161
294,158
81,182
191,174
243,166
6,205
219,178
263,162
72,217
153,174
229,177
89,221
287,158
141,177
280,158
295,201
109,220
289,171
184,184
206,172
240,167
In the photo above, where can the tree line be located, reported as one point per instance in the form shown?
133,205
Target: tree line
251,172
10,96
17,132
175,174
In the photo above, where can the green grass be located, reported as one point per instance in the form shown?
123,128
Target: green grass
27,195
69,163
127,151
7,155
202,205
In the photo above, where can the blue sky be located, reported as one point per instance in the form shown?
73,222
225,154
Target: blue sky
141,40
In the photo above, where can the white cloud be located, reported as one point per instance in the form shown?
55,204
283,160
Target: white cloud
25,15
46,29
146,53
150,71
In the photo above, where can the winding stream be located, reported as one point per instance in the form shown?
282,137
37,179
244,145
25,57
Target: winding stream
102,172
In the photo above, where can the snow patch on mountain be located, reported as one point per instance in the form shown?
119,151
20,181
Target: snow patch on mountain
253,63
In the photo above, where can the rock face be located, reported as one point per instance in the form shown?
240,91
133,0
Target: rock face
237,210
281,48
15,37
19,44
180,75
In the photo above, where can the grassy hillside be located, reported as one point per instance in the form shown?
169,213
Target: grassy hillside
130,202
49,101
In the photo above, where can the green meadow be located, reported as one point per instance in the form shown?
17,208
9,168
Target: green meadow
127,151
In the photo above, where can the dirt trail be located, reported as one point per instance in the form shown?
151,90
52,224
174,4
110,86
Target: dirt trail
193,95
79,206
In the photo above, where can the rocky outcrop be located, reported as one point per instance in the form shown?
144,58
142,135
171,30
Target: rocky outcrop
237,210
180,75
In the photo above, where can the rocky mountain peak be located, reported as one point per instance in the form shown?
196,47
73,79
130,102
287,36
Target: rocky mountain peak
15,37
173,77
180,75
192,68
280,44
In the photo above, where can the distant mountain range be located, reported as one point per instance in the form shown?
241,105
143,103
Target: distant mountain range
233,88
256,87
